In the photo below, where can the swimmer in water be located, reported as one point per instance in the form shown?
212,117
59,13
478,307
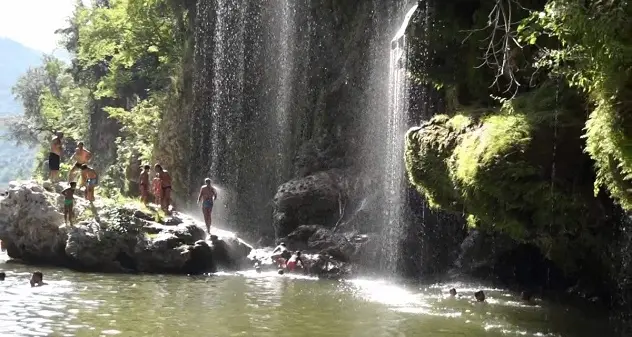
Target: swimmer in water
37,279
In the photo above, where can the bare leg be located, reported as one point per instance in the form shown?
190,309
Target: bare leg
71,173
54,175
207,219
166,199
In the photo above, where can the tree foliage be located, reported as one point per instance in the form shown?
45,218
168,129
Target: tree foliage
52,102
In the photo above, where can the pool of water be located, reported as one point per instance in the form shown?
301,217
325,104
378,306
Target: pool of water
267,304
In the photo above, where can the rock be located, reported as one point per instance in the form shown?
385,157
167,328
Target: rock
230,252
121,238
317,239
310,200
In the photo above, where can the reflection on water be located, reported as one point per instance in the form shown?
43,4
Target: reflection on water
267,304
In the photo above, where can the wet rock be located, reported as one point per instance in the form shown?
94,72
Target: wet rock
310,200
121,238
230,252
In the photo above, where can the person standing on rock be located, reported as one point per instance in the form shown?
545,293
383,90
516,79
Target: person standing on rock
91,179
207,196
157,190
165,186
69,201
81,157
54,157
144,185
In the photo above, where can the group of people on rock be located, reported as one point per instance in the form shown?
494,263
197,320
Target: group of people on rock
37,278
160,186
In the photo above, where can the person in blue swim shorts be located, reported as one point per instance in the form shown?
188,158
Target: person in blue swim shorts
207,197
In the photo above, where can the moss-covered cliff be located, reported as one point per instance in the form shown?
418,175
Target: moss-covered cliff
535,141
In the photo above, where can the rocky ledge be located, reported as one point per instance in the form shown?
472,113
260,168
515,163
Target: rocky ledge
109,236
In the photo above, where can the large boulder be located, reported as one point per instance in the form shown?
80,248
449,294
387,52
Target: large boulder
314,199
108,237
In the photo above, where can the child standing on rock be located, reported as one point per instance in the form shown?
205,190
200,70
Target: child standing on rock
69,199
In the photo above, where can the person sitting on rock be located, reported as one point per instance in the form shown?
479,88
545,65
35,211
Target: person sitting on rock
37,279
280,254
144,185
295,262
90,176
69,200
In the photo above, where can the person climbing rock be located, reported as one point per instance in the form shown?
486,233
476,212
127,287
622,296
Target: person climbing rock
90,176
37,279
144,185
69,200
295,262
54,157
207,196
80,157
165,186
280,255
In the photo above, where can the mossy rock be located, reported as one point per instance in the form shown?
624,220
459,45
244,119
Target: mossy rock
495,168
427,150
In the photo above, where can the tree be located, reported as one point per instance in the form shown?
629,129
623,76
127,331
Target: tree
52,102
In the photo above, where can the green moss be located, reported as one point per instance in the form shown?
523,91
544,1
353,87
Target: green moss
610,145
426,152
490,166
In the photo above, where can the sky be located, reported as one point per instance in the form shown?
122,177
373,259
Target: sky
33,22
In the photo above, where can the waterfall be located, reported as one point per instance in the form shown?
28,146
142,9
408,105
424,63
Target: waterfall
394,174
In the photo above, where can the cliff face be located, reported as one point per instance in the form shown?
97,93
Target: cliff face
279,93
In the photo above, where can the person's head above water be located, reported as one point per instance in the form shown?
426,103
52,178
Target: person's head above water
2,275
37,278
207,181
80,145
453,292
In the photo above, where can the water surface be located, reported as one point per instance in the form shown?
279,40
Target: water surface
250,304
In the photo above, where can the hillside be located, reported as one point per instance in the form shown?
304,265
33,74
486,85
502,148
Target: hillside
15,59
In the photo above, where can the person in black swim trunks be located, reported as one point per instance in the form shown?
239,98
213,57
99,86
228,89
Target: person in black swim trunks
165,185
54,157
81,157
207,196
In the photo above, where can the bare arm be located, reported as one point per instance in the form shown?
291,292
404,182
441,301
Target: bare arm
214,194
200,196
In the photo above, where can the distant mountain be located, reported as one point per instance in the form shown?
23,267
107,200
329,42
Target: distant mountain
15,59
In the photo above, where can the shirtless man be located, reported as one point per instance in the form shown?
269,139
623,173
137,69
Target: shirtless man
81,156
207,196
144,185
91,178
165,186
54,157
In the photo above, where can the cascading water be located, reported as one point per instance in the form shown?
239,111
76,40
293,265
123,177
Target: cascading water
394,177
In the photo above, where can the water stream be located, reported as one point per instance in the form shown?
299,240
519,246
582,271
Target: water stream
250,304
